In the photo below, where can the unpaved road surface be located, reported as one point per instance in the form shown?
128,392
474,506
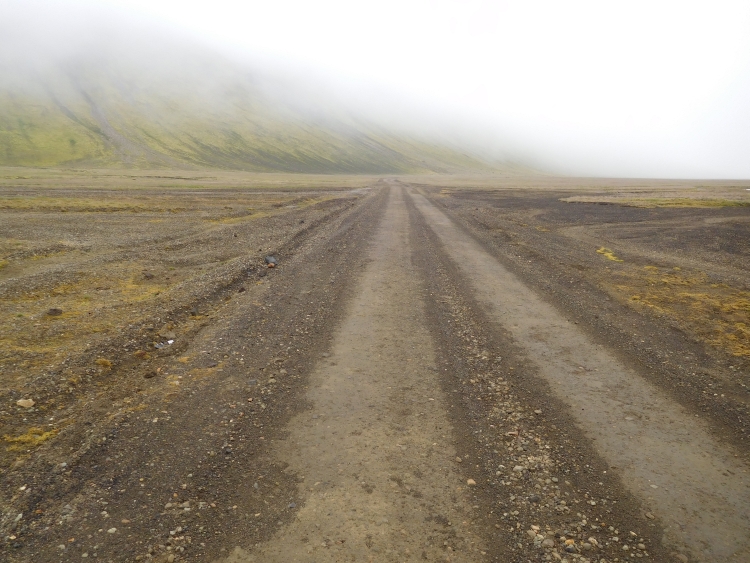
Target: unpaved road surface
407,386
668,459
377,467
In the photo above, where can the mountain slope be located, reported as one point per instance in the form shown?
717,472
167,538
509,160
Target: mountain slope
197,109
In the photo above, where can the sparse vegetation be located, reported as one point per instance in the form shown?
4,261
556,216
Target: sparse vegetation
717,312
114,270
32,438
607,253
159,126
739,198
684,202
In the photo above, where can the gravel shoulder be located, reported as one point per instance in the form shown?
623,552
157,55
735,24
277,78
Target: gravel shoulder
153,453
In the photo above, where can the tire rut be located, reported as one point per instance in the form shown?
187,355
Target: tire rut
375,456
666,456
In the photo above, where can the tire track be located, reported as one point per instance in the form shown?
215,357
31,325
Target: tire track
667,457
374,455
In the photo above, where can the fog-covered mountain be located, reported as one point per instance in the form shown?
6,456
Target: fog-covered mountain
140,100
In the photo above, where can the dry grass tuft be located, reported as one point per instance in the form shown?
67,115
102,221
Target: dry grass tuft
694,200
717,313
608,254
31,439
651,203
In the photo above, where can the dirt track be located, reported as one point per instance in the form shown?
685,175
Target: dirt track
400,389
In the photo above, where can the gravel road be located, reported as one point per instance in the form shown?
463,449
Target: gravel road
394,390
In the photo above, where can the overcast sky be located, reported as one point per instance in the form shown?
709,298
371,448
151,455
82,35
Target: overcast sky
602,87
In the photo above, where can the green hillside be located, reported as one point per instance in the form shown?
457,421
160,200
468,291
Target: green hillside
202,112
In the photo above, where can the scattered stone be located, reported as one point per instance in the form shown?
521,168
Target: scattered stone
518,468
54,312
25,403
471,482
649,516
271,261
111,530
534,498
548,542
149,374
458,459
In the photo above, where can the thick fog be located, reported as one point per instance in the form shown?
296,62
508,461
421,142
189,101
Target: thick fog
656,89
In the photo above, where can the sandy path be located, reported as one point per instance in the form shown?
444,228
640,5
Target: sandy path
666,455
380,480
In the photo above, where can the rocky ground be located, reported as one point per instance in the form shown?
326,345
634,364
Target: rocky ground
432,372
